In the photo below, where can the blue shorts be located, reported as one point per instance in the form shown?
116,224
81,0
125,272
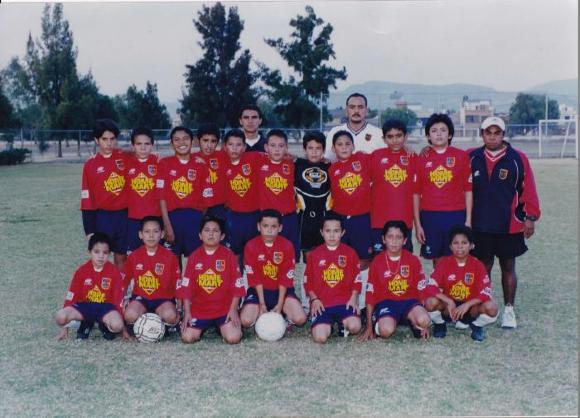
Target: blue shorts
270,297
436,225
241,227
378,245
396,309
291,232
185,223
204,324
114,224
133,240
332,314
358,234
504,246
92,311
217,210
151,304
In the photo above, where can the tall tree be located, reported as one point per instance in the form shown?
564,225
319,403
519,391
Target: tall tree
142,108
221,81
530,108
307,52
8,117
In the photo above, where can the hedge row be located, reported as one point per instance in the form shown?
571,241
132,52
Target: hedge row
14,156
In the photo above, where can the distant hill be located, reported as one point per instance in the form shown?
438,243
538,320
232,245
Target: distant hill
561,87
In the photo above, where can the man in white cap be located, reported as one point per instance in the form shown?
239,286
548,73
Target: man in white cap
505,207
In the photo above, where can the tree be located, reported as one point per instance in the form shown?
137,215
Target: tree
298,98
8,117
142,108
407,116
221,81
528,109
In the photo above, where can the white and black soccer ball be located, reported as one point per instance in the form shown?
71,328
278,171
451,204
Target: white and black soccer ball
149,328
270,326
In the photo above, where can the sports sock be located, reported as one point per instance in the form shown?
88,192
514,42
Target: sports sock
364,275
436,317
484,319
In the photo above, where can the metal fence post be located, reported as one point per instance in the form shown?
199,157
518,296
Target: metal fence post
79,144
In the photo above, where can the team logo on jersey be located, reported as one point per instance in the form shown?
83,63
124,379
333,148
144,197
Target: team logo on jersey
398,286
459,291
428,164
332,275
468,278
240,185
486,279
405,271
503,173
198,266
132,171
191,174
278,257
142,184
173,173
404,160
152,170
350,182
209,281
384,160
100,170
265,167
368,137
95,295
321,263
440,176
212,177
450,162
114,184
356,165
487,291
181,187
105,283
139,266
285,169
246,169
315,176
451,277
261,257
220,265
395,175
276,183
270,270
342,261
159,268
213,163
88,282
148,282
120,164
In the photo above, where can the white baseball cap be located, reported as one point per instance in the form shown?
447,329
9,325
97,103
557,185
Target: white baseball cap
493,121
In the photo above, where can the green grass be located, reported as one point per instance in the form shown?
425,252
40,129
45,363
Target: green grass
528,371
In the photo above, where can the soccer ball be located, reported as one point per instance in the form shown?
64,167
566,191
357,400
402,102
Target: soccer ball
149,328
270,326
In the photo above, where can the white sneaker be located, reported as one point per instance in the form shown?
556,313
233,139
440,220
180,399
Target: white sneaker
508,319
461,325
74,324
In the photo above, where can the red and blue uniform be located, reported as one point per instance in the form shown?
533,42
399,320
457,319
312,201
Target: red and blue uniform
216,164
462,283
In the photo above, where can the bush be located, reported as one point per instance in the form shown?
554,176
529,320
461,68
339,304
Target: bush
14,156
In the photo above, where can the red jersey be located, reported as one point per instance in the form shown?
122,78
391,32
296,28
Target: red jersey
276,185
332,274
155,276
216,164
241,184
462,283
104,182
182,184
210,282
89,285
443,179
393,176
142,195
269,266
350,185
401,279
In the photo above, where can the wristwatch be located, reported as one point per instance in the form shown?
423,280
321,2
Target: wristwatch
531,218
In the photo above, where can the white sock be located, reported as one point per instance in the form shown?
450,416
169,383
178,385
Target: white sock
436,317
484,319
364,275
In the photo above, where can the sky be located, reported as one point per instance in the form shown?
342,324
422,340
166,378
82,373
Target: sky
509,45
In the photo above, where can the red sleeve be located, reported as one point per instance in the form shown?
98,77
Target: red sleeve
161,183
117,295
86,192
371,297
529,196
414,170
467,179
205,186
128,272
356,276
251,267
419,167
484,291
73,290
437,276
288,266
176,272
308,274
184,287
238,289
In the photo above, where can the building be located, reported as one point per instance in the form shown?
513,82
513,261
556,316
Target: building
473,111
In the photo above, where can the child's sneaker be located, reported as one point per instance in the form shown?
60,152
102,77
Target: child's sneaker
461,325
84,330
107,335
477,333
508,319
440,330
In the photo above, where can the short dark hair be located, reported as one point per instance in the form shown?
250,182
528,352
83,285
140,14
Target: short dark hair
142,130
402,226
249,106
150,219
394,124
357,95
270,213
99,238
341,133
208,129
212,218
439,118
316,136
103,125
332,216
277,132
236,133
460,230
180,128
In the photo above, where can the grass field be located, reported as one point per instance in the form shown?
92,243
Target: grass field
528,371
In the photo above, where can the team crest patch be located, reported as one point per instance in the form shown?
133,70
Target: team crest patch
368,137
384,160
405,271
342,261
356,165
159,268
285,169
278,257
191,174
246,169
213,163
132,171
105,283
152,170
120,164
220,265
450,162
88,282
468,278
404,160
503,173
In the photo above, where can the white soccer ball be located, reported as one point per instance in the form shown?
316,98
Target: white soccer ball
270,326
149,328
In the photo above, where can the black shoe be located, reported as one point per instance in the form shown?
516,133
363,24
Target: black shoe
84,330
477,333
416,332
440,330
107,335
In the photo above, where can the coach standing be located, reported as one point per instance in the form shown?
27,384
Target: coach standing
505,207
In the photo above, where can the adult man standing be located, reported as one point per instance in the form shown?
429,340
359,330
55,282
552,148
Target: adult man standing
505,207
367,137
250,121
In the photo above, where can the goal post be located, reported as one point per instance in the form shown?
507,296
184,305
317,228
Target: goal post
558,138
